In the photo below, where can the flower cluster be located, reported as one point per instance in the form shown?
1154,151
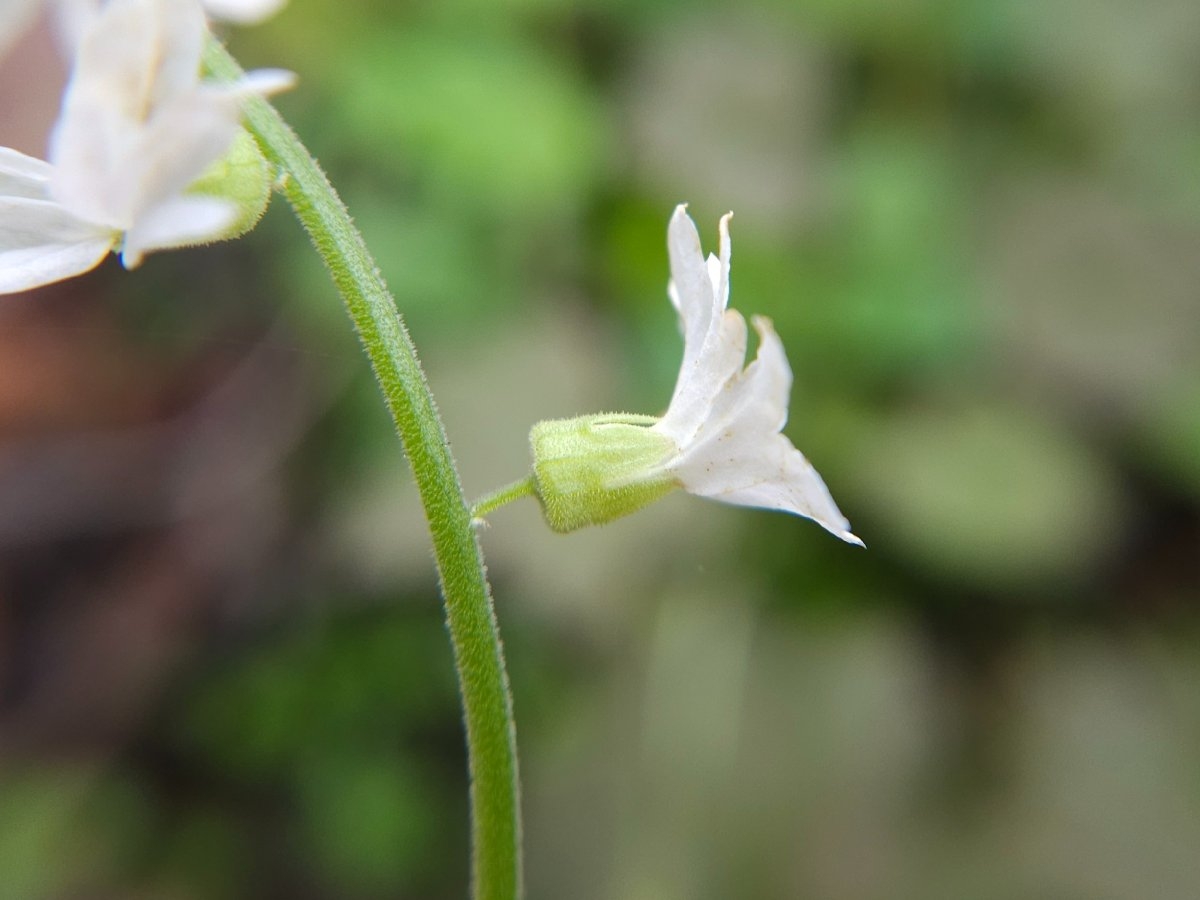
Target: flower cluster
138,131
721,435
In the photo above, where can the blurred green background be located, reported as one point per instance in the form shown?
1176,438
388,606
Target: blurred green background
223,671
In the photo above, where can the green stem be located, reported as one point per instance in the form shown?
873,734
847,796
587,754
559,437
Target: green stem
526,487
470,615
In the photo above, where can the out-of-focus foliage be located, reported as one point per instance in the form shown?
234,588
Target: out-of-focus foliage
222,667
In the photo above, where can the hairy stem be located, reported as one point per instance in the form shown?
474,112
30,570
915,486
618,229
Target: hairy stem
471,618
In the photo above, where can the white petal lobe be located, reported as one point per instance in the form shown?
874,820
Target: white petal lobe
40,243
714,339
178,222
23,176
243,12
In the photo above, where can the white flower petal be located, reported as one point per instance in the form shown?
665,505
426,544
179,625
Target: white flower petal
71,21
178,222
184,138
40,243
186,135
265,82
136,58
91,175
788,483
718,266
23,176
741,458
753,400
133,54
714,340
243,12
690,286
180,33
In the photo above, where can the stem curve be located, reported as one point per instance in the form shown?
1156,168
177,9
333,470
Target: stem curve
470,614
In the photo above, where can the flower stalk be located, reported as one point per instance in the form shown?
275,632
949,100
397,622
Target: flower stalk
526,487
470,614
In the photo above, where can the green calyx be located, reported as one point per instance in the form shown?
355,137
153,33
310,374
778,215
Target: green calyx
242,177
593,469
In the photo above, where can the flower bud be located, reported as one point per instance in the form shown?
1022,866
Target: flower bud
593,469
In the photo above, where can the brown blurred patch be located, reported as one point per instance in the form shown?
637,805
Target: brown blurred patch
140,499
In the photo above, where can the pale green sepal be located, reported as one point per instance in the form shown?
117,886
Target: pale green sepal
593,469
242,177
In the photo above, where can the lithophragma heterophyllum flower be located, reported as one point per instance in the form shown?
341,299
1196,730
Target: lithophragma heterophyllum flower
137,130
721,434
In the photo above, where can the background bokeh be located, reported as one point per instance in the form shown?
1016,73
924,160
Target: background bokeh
223,671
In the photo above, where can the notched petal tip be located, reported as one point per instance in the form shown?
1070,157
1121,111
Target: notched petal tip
724,245
682,233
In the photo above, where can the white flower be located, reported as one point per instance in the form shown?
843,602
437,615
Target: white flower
137,127
721,435
726,421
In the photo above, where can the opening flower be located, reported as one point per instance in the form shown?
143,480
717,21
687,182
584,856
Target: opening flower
137,128
721,435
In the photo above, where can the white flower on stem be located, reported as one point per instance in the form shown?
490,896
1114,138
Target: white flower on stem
136,129
721,435
726,421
